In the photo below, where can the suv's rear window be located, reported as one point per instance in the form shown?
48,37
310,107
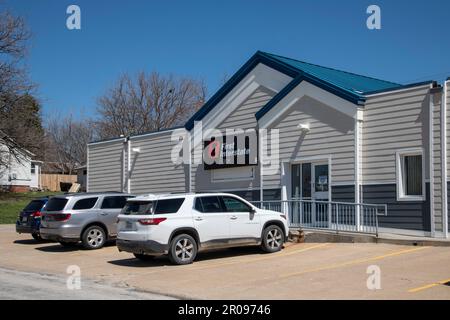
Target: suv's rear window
138,208
84,204
168,206
34,205
56,204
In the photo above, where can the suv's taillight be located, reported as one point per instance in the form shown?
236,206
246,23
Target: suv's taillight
36,214
152,221
61,217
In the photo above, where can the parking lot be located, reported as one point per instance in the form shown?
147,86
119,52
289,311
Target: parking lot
300,271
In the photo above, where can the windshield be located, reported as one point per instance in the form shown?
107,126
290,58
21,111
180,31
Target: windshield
138,208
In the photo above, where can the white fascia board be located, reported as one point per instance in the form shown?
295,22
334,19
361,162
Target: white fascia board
307,89
106,141
424,86
156,133
261,75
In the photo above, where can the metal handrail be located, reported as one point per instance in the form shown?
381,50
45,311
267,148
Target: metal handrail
328,215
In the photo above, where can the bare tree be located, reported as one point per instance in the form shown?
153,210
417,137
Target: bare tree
66,142
147,102
19,111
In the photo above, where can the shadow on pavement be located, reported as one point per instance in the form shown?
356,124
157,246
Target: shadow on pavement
59,248
202,256
31,241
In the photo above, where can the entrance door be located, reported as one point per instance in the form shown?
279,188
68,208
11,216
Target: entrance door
320,183
320,193
310,181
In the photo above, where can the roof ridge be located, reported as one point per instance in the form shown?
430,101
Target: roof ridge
329,68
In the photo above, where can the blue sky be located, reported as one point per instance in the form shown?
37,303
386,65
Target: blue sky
208,39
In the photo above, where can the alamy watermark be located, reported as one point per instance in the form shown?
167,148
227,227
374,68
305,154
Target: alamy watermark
73,21
374,280
73,281
373,22
230,147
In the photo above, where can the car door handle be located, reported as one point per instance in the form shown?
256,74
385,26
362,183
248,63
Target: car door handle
233,217
198,219
104,214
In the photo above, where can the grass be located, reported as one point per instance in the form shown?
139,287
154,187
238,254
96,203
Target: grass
12,203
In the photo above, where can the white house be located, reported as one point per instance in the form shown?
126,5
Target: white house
18,174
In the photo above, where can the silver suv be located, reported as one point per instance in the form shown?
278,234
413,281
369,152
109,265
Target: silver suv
87,217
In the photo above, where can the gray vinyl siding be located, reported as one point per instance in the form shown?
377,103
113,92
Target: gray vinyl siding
437,164
448,127
254,195
399,120
448,205
243,117
447,109
400,215
331,134
343,193
152,170
105,166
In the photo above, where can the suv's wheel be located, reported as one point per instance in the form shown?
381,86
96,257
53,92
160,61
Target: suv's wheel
36,236
143,257
183,249
93,237
272,239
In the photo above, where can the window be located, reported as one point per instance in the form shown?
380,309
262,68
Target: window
56,204
33,168
168,206
235,205
410,176
84,204
138,208
209,204
114,202
35,205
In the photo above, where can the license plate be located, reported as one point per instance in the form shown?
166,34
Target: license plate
129,225
24,219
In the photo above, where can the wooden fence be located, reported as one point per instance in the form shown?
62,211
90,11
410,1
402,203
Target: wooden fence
51,181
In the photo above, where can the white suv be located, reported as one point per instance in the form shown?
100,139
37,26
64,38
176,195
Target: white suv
181,225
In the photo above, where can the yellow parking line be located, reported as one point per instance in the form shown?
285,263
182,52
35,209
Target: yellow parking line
353,262
272,256
428,286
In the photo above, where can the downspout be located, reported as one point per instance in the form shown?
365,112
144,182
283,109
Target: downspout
261,171
87,169
357,170
430,161
129,165
444,160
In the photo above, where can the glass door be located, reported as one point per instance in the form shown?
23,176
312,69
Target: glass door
320,185
310,181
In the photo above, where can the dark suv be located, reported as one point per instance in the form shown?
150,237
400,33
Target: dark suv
29,219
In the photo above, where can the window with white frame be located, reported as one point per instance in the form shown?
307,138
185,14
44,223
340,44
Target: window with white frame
33,168
410,175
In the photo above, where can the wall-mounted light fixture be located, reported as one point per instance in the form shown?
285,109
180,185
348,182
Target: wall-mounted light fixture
304,127
136,150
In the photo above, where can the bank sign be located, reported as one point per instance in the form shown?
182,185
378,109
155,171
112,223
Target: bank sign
228,151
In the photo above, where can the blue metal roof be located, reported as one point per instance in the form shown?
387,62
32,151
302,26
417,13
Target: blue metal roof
349,86
348,81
